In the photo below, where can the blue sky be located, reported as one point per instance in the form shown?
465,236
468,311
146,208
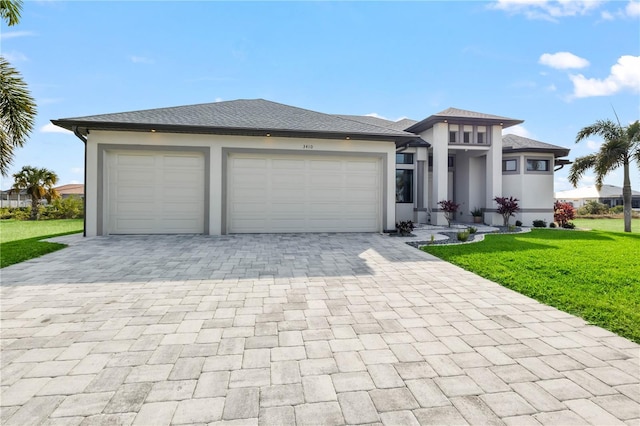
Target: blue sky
557,65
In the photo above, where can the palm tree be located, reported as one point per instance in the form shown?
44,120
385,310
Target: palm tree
621,146
38,183
17,107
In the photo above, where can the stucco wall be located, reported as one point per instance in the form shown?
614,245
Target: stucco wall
216,143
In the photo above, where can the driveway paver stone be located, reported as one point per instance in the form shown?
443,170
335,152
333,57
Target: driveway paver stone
293,329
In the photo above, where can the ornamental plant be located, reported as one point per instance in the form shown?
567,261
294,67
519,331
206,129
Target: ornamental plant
507,207
449,208
563,213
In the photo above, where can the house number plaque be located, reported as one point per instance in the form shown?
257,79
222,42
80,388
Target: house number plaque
307,146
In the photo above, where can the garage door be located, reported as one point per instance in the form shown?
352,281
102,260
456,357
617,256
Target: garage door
288,193
155,193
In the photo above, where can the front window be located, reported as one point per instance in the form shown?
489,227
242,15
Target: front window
537,165
466,137
481,137
453,137
404,158
510,165
404,186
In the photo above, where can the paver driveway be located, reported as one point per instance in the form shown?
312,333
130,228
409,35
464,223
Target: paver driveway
284,329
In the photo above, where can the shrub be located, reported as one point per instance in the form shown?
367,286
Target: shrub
593,207
472,229
552,225
511,228
405,227
449,208
463,236
476,212
539,223
68,208
569,225
617,209
518,223
563,213
22,213
507,207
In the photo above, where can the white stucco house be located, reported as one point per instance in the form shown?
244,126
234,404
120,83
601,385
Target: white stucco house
249,166
609,195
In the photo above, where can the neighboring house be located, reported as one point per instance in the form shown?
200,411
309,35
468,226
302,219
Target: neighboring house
609,194
71,190
258,166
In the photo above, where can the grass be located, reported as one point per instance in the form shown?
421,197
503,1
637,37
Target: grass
611,225
20,240
591,274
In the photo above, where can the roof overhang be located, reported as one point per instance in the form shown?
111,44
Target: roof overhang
559,152
432,120
85,127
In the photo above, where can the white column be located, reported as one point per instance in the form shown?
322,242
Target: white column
440,171
494,175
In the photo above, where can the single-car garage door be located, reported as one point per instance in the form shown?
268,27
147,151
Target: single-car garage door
303,193
155,193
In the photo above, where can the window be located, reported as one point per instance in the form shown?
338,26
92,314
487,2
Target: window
510,165
404,158
481,137
537,165
404,186
466,137
453,136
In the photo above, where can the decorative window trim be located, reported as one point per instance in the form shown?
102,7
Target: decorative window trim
468,135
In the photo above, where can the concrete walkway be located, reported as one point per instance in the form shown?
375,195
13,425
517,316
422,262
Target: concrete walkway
293,329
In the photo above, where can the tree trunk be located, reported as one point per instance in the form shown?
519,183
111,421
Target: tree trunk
626,197
34,208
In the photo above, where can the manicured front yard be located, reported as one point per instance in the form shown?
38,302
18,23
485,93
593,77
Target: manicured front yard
591,274
611,225
20,240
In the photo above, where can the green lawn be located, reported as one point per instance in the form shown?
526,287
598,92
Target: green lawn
20,240
591,274
611,225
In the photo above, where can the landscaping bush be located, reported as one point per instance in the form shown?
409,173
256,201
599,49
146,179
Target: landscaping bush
68,208
569,225
507,207
518,223
552,225
539,223
617,209
472,229
563,213
593,207
449,208
405,227
463,236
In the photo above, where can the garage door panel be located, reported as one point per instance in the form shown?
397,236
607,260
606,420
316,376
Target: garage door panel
155,193
302,193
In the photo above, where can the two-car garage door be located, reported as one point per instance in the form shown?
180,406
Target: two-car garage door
303,193
154,192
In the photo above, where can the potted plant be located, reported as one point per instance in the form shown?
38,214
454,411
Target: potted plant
477,215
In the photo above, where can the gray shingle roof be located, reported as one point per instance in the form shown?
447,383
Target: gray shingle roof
454,115
515,143
244,116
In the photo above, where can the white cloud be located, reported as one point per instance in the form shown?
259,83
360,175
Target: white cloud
562,60
593,145
607,16
518,130
16,34
52,128
625,75
633,8
15,56
218,100
141,60
552,88
376,115
549,10
77,170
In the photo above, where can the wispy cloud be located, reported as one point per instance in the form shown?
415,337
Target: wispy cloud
52,128
376,115
550,10
631,10
593,145
625,75
15,34
15,56
77,170
518,130
141,59
563,60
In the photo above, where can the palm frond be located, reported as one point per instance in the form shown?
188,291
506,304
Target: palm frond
10,11
580,166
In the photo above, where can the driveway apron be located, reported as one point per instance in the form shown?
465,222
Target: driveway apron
293,329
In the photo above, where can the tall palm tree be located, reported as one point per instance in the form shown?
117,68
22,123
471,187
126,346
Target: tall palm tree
621,146
17,107
39,184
